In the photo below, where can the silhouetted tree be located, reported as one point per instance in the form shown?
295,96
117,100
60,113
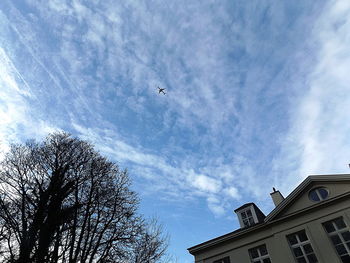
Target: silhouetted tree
61,201
151,245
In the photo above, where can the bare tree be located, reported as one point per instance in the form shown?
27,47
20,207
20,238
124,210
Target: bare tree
61,201
151,245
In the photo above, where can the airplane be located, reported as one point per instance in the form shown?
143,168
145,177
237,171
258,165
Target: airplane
161,90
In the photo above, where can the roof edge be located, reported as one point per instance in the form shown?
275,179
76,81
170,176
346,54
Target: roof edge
274,212
301,187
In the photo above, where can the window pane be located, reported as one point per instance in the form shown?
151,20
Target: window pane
263,250
308,249
246,222
254,253
251,221
340,223
266,260
335,239
341,249
323,193
301,260
297,251
345,259
329,227
312,258
302,236
292,239
313,196
243,215
346,235
348,245
249,213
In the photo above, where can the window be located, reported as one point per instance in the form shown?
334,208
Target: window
301,248
318,194
223,260
339,234
259,255
247,218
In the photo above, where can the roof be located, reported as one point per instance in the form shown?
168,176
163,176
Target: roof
244,206
270,218
223,238
301,187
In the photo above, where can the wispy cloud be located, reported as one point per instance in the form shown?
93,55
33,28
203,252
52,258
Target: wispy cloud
257,91
241,92
159,176
16,118
317,141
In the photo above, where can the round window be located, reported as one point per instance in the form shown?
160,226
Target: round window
318,194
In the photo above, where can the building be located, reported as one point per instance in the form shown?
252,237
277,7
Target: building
312,224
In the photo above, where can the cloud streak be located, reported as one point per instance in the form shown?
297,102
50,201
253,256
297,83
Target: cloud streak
317,140
257,91
16,118
158,175
241,92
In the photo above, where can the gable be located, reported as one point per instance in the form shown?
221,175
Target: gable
302,201
338,188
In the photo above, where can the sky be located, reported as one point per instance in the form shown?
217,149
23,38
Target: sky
257,96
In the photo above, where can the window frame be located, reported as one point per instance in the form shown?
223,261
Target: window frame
247,219
300,244
260,257
338,232
316,190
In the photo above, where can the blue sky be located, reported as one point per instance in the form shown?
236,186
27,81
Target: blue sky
257,96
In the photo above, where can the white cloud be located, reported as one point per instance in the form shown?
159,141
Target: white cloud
215,205
229,80
318,141
180,181
218,121
232,192
17,121
206,184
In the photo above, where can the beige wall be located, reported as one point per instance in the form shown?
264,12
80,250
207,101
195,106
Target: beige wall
303,201
274,236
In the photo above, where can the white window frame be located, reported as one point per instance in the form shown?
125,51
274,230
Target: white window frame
339,232
301,245
261,257
252,210
247,219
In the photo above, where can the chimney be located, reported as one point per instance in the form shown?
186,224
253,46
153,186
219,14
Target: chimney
276,196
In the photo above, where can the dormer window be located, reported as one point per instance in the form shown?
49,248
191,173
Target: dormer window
247,217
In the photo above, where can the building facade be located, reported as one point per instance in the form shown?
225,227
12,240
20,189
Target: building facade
312,224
